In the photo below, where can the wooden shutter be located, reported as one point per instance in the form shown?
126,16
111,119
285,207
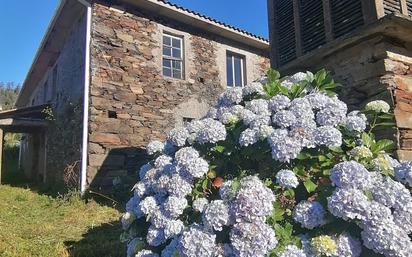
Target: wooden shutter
391,6
409,6
312,24
286,43
346,16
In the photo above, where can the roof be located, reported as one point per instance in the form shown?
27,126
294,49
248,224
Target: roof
27,112
23,120
66,13
200,21
214,20
50,46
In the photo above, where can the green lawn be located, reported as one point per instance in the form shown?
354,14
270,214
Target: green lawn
33,224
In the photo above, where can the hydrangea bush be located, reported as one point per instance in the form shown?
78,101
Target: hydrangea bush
277,168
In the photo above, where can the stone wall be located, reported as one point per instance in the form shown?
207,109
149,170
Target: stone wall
131,102
375,68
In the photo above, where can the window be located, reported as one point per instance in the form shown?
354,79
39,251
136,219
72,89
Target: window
235,70
172,56
187,120
54,83
45,92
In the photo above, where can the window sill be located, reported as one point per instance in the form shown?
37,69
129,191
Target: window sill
171,79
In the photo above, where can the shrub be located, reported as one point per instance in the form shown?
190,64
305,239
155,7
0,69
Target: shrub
278,168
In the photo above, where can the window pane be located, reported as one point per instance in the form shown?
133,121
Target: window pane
167,72
229,71
177,65
176,53
167,51
167,63
238,71
177,74
167,41
176,42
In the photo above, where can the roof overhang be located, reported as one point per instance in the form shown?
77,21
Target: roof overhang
199,21
395,26
53,41
26,120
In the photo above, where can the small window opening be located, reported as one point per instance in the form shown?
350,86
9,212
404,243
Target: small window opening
187,120
112,114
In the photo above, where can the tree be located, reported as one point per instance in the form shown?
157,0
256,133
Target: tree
9,92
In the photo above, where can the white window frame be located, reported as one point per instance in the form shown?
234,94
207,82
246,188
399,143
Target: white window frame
242,58
171,58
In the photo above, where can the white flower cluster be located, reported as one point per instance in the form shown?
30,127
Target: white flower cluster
161,197
288,125
180,223
403,173
378,106
287,179
385,219
309,214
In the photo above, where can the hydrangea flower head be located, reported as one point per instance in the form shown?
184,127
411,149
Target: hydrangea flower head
361,152
195,242
199,204
351,174
216,215
253,200
155,147
287,179
252,239
324,245
403,172
292,251
178,136
347,246
378,106
309,214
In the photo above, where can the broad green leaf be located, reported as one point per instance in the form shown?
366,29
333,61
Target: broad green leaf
219,148
384,145
310,186
273,75
366,140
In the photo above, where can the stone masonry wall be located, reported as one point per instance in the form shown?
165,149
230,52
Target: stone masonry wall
377,68
131,102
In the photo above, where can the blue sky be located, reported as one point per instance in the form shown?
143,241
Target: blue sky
23,24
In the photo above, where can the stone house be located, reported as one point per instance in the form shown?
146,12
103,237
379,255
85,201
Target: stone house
365,43
110,76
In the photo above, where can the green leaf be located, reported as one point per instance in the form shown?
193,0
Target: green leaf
273,75
235,185
219,148
386,124
384,145
366,140
303,156
204,184
310,186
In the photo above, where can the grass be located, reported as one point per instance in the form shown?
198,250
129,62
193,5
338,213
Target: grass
33,224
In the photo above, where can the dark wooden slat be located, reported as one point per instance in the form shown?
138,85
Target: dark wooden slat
346,16
391,6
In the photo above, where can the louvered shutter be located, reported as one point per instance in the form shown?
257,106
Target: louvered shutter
391,6
409,5
312,24
346,16
285,31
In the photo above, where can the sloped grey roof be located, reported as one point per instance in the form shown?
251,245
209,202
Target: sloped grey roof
214,20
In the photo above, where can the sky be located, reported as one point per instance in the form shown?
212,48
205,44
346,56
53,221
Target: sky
23,24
